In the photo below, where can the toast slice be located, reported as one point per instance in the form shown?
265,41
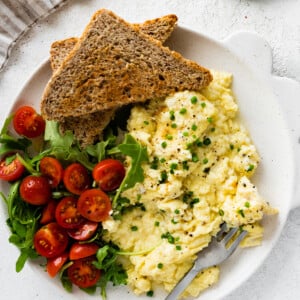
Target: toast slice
114,64
88,128
159,28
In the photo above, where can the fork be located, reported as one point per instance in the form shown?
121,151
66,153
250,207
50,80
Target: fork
218,250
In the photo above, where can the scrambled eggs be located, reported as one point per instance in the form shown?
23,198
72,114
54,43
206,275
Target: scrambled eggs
198,176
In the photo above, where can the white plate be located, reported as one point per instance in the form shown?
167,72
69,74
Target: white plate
249,59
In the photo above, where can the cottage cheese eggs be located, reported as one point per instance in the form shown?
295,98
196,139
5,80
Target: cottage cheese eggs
197,177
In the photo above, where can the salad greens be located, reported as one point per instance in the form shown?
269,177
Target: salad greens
23,218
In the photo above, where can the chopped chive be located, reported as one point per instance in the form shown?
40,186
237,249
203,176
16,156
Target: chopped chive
185,133
241,212
221,212
150,294
162,160
183,111
174,125
194,100
194,127
134,228
194,201
213,129
177,211
250,168
164,145
169,137
231,146
160,265
174,221
156,223
207,141
198,143
172,115
163,177
203,104
178,247
209,119
146,122
195,157
205,161
247,204
185,165
154,163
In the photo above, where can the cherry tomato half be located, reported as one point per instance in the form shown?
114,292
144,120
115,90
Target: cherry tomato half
11,170
50,240
35,190
67,214
28,122
84,232
48,213
94,205
55,264
76,178
52,169
83,273
78,251
109,174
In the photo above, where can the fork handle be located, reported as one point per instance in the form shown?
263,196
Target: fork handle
183,283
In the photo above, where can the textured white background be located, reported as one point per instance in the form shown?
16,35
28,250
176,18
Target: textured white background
278,21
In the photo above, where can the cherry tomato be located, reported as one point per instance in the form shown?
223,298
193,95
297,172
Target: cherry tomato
11,170
78,250
67,214
35,190
48,213
109,174
76,178
52,169
84,232
55,264
28,122
50,240
83,273
94,205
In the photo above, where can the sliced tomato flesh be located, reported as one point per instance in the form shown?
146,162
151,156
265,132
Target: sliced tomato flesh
55,264
11,170
83,273
48,213
67,214
94,205
50,240
109,174
78,250
28,122
52,169
76,178
85,231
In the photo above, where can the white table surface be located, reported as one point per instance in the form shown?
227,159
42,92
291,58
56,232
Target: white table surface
278,21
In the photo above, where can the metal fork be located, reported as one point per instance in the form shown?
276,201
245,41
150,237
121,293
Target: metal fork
218,250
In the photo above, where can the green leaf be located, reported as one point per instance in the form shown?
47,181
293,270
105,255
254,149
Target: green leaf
138,155
21,261
64,147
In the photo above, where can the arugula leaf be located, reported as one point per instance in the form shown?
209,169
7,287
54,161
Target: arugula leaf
138,155
113,272
22,221
64,147
9,143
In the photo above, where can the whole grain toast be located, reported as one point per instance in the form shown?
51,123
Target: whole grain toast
159,28
88,128
114,64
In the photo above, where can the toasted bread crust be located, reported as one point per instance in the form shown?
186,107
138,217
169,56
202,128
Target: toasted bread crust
88,128
113,64
159,28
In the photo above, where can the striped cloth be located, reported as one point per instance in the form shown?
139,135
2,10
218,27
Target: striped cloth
16,16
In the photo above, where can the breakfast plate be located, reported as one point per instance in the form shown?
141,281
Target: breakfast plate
273,126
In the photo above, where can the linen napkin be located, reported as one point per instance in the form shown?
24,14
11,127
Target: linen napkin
16,16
